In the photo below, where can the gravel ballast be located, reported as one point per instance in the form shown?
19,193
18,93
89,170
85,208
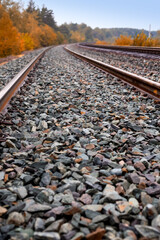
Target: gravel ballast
11,68
139,64
81,158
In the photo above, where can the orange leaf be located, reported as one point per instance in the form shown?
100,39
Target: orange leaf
82,113
6,178
78,160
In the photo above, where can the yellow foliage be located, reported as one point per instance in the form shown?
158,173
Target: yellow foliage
156,42
29,22
124,40
27,41
77,36
36,33
149,42
15,16
40,36
101,42
48,36
140,39
21,31
158,37
60,38
10,39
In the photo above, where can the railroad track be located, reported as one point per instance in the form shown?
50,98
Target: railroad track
147,50
12,87
141,83
81,158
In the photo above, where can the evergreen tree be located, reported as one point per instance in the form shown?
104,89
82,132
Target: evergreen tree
31,7
46,17
65,31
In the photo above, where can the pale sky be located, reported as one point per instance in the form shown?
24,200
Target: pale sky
105,13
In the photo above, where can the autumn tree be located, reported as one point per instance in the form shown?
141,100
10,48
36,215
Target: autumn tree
140,39
10,39
48,36
14,11
152,42
124,40
33,29
158,38
60,38
28,41
7,4
77,36
42,35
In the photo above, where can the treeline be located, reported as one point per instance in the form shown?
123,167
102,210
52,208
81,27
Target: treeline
26,29
74,32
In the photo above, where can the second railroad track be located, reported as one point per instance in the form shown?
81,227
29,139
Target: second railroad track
147,50
147,86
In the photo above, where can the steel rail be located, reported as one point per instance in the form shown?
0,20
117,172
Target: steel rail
148,50
147,86
12,87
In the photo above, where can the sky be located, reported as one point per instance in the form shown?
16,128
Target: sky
105,13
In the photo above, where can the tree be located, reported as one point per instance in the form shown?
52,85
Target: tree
88,34
48,36
7,4
14,11
60,38
124,40
140,39
73,27
10,39
32,28
77,36
99,34
31,7
27,41
46,17
65,31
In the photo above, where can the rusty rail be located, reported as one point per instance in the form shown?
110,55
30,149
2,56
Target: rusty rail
150,87
147,50
12,87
